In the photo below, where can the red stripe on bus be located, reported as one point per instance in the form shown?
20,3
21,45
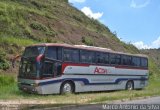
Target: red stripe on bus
120,66
128,67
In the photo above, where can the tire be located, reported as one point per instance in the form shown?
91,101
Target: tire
67,88
130,85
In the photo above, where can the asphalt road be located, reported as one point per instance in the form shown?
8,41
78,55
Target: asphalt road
149,101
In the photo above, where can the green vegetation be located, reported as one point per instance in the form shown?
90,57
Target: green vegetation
48,22
13,45
130,47
26,22
154,70
87,41
151,90
39,26
6,80
3,62
17,41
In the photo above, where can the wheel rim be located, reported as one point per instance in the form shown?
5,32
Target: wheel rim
67,88
129,86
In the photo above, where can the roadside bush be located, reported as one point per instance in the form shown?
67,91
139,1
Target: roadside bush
3,62
38,26
51,33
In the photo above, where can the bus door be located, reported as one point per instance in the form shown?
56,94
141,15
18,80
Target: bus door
52,62
51,69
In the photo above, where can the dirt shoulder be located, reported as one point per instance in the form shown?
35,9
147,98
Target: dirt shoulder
40,104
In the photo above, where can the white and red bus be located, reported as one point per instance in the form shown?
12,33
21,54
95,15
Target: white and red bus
62,68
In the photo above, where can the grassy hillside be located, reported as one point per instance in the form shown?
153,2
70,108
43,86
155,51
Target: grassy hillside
24,22
54,21
154,54
154,61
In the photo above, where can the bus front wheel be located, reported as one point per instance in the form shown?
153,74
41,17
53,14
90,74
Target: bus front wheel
129,85
67,87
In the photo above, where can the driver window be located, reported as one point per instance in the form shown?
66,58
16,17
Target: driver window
48,69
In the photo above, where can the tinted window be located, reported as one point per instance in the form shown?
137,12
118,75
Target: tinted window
51,53
33,51
126,60
54,53
87,56
51,69
144,62
102,58
57,68
48,69
71,55
115,59
59,53
136,61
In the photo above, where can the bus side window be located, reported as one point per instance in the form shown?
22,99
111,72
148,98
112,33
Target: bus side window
59,53
115,59
102,58
87,56
136,61
51,52
83,56
75,56
126,60
144,62
57,69
67,54
106,58
48,69
98,58
71,55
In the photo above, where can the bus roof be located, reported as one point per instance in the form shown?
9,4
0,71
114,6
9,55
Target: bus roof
92,48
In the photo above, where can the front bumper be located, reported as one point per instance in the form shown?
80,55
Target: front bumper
27,88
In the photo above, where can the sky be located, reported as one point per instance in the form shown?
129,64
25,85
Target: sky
134,21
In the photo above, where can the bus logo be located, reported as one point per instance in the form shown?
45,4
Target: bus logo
100,70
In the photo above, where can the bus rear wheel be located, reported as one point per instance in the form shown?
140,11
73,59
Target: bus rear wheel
67,87
130,85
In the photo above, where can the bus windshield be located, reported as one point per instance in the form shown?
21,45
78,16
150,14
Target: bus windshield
34,51
28,65
41,61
